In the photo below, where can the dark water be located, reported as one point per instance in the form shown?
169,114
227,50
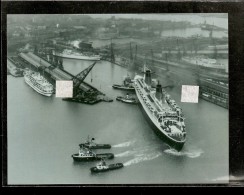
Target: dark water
43,133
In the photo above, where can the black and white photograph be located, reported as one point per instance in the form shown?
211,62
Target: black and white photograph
117,98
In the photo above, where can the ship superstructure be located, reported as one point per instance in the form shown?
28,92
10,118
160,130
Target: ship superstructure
38,83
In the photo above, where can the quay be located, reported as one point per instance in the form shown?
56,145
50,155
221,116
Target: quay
212,81
13,70
83,92
214,91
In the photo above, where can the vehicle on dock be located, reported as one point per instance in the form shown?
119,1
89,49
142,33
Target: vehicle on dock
86,154
127,99
92,145
102,167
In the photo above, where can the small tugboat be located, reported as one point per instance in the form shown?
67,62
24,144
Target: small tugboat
123,87
127,85
92,145
102,167
87,155
127,99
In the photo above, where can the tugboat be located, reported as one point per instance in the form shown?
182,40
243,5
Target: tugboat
127,99
87,155
127,85
102,167
92,145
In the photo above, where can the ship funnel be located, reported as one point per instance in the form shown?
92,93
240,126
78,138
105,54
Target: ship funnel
159,93
148,79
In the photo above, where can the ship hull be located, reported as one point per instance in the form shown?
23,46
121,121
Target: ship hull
97,146
110,167
124,100
78,57
79,159
121,87
176,145
37,89
76,157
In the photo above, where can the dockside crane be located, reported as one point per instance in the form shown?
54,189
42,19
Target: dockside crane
79,78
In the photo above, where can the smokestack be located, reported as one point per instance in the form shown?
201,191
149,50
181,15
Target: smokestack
148,79
159,93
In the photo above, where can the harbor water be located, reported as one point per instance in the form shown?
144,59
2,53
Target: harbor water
44,132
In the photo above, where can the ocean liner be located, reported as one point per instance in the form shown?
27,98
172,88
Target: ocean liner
67,53
38,83
204,62
162,112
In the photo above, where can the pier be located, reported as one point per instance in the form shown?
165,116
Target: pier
13,70
83,92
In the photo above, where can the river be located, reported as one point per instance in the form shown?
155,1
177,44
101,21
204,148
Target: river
44,132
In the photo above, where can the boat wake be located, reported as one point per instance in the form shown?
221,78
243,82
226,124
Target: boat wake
191,154
141,154
124,154
137,151
125,144
142,158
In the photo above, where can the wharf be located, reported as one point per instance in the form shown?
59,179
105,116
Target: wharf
13,70
87,93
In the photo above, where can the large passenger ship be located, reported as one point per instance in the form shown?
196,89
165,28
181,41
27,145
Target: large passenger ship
162,112
38,83
204,62
67,53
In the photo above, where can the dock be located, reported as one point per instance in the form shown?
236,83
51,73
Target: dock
13,70
86,93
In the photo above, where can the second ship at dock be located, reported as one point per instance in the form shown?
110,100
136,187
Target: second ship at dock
37,82
77,55
161,111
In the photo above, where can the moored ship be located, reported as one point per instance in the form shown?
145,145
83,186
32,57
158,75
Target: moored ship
163,113
38,83
204,62
67,53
